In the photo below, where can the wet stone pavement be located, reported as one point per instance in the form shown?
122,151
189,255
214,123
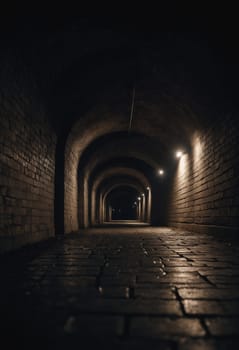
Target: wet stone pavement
135,288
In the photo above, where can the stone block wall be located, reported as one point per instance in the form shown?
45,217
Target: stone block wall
27,163
205,192
71,190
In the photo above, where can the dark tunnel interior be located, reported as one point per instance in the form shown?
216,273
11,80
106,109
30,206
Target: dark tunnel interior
119,177
122,203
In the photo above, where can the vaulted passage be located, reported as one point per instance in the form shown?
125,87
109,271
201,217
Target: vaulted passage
121,131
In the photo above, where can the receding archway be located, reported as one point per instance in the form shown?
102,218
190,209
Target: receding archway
86,131
97,201
116,147
120,204
140,192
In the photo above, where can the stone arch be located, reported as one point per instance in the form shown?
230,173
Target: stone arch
106,174
145,152
140,189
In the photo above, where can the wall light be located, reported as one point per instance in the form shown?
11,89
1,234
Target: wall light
179,154
160,171
139,199
148,188
142,194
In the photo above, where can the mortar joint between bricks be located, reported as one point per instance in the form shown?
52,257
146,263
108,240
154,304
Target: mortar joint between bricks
179,299
206,279
204,326
185,257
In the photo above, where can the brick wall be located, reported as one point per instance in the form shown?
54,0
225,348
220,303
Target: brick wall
71,189
27,151
205,192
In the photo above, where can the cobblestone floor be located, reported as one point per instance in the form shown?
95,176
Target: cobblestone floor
135,288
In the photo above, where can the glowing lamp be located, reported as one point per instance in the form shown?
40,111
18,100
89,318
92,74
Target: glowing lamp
179,154
161,171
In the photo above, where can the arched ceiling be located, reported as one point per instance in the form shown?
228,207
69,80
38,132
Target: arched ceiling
122,146
168,129
121,191
119,185
116,172
80,62
138,166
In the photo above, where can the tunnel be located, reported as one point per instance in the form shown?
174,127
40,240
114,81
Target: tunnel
119,183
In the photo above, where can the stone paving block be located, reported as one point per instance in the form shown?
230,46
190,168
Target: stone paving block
199,258
94,325
198,264
152,262
201,285
217,264
154,293
230,307
223,279
166,327
213,293
85,281
174,262
220,272
203,307
114,292
181,269
65,291
145,344
150,270
170,278
130,306
118,281
73,272
208,344
227,286
223,326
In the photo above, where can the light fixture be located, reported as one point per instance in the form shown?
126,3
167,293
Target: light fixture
160,171
142,194
179,154
148,188
139,199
